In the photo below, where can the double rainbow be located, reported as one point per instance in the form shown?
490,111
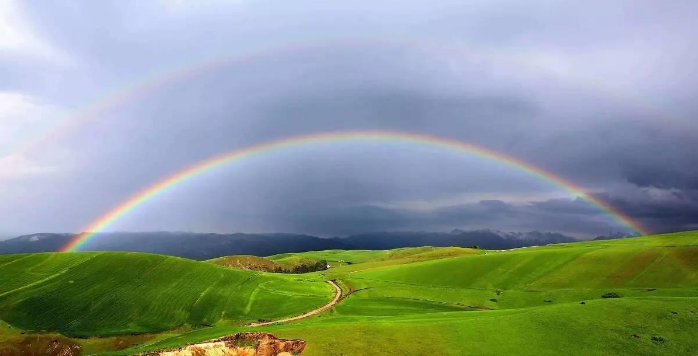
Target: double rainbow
391,136
151,82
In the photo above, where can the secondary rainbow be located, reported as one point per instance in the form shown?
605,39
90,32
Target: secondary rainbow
413,138
159,78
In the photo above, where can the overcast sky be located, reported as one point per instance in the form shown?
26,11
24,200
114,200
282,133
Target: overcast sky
601,93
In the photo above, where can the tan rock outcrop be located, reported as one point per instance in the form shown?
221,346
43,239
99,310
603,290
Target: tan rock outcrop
240,344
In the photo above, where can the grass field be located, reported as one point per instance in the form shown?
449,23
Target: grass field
110,293
601,327
348,257
426,301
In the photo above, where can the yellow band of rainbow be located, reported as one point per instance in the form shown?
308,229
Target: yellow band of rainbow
393,136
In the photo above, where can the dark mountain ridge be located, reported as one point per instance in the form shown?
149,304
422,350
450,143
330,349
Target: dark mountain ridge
615,235
203,246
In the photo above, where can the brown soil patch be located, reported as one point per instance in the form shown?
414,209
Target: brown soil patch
240,344
42,345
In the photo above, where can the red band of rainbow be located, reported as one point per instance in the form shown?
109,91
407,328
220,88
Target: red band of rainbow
413,138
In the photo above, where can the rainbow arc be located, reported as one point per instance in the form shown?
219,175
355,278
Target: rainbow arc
206,165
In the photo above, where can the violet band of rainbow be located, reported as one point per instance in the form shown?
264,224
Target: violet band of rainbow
191,171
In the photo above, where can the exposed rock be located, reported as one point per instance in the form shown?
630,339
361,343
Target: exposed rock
240,344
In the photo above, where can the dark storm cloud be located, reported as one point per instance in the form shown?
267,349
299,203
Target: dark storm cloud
483,214
599,94
565,206
670,177
661,210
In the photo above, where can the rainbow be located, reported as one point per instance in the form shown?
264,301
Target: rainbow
392,136
159,78
150,83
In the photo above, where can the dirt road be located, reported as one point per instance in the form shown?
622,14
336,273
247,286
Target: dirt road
310,313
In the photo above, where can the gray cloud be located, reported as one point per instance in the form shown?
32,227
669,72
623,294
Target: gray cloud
600,94
482,214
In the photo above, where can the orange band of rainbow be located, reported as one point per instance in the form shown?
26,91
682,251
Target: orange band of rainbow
412,138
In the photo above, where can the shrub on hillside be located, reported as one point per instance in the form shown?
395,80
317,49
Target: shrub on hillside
303,268
610,295
658,339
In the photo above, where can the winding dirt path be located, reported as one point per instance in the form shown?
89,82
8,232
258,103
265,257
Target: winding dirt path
310,313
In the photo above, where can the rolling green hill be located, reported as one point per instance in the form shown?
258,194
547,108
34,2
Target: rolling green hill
110,293
639,262
556,273
545,300
348,257
600,327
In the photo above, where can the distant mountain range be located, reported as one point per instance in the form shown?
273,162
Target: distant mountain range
615,235
203,246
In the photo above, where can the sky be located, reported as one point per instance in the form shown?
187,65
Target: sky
99,100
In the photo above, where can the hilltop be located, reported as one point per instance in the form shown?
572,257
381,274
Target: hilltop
116,293
256,263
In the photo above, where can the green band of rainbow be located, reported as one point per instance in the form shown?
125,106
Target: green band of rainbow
413,138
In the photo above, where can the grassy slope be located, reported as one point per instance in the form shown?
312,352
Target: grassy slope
600,327
342,257
97,294
528,277
558,273
422,301
418,307
644,263
356,256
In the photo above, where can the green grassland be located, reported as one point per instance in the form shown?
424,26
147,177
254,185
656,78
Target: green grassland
293,261
111,293
530,277
348,257
600,327
427,301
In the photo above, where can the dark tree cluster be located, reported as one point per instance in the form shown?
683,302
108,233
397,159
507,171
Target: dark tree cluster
304,268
